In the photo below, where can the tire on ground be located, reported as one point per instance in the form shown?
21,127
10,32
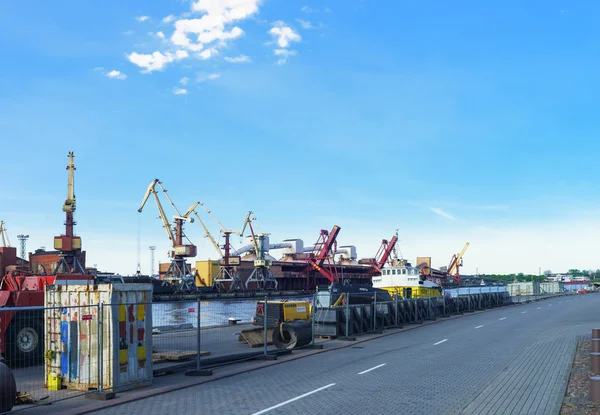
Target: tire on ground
25,341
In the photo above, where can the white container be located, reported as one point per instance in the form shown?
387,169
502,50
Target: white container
72,335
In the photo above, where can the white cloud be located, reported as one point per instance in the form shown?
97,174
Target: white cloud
160,35
128,32
238,59
204,76
195,34
208,53
284,52
441,213
114,74
180,91
284,34
156,60
184,80
168,19
142,18
305,24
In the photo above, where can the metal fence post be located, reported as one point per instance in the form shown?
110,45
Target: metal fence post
313,315
198,371
198,335
397,311
100,347
375,310
347,315
265,329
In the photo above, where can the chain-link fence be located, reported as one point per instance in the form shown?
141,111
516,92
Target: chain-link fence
57,353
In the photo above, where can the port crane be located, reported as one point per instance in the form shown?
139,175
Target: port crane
321,257
261,274
68,244
179,271
455,263
383,254
4,235
227,279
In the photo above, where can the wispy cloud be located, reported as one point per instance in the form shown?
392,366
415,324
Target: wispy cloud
441,213
238,59
184,80
114,74
142,18
306,9
204,76
128,32
309,25
180,91
168,19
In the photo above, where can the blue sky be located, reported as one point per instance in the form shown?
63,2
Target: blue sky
458,121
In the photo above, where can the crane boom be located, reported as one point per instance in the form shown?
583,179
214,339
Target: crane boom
248,222
69,205
4,234
169,198
161,212
455,263
208,235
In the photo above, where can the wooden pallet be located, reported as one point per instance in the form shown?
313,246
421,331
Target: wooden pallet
255,337
327,337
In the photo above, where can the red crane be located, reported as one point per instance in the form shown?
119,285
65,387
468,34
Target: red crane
321,254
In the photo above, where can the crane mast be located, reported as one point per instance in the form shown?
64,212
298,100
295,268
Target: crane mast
261,274
227,278
4,234
68,244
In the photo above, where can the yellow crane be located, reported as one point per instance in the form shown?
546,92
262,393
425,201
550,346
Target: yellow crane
179,270
456,263
227,279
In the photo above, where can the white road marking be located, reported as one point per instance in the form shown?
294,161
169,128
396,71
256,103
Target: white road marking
373,368
279,405
503,318
523,312
435,344
478,327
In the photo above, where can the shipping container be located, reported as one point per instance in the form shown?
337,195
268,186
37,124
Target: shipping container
73,316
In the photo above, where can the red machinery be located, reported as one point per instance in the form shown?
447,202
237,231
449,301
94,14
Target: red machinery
321,258
382,256
22,332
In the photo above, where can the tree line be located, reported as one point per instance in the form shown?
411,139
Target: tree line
521,277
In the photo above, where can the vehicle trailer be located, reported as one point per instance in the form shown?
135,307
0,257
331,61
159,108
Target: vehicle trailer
22,331
22,314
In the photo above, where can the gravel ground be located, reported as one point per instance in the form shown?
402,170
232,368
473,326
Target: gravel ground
577,399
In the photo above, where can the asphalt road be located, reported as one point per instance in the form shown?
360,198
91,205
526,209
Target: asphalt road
510,360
